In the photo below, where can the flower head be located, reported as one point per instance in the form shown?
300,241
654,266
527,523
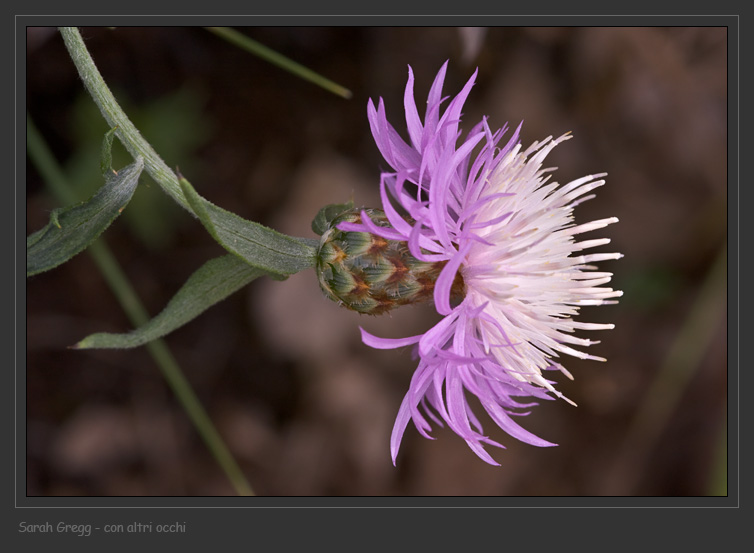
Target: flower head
487,214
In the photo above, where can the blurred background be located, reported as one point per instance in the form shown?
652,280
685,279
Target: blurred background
305,407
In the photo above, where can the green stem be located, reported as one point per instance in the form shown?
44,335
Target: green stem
116,117
250,45
682,359
265,237
53,176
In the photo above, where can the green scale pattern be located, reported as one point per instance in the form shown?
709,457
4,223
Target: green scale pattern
367,273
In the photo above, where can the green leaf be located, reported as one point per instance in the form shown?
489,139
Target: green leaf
106,162
71,229
256,244
327,214
213,282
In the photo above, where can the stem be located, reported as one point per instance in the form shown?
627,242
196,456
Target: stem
56,182
116,117
265,237
682,359
275,58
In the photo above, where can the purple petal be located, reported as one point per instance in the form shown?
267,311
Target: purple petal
445,280
398,222
513,140
434,97
351,227
396,152
453,113
413,122
387,343
418,242
385,232
439,197
399,427
504,421
437,336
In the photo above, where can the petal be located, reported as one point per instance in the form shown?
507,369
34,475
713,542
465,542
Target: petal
504,421
399,427
418,242
385,232
398,222
413,122
396,152
439,195
453,113
387,343
437,336
445,280
351,227
434,97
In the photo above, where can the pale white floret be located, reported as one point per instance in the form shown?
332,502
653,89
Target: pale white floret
526,274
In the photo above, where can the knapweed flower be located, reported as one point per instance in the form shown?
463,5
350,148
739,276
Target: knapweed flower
509,275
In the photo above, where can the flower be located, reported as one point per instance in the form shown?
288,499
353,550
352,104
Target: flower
491,216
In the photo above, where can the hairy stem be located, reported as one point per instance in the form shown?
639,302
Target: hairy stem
116,117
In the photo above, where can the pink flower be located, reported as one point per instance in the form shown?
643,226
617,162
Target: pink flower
492,217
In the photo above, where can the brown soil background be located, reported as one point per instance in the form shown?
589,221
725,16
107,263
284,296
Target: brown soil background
304,406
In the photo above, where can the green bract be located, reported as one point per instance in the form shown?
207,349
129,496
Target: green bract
365,272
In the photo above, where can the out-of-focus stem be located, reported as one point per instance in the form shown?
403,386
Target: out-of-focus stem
250,45
53,176
681,361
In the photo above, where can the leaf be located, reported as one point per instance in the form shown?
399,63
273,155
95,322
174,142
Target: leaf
256,244
212,282
71,229
270,55
106,161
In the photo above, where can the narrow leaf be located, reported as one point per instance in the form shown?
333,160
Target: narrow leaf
106,161
270,55
213,282
71,229
256,244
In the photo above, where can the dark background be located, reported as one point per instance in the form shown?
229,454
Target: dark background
304,406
